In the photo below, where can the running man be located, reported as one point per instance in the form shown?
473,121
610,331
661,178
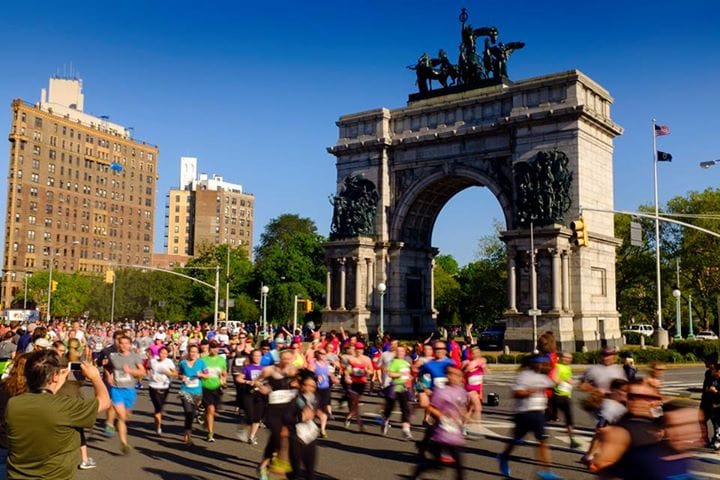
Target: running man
126,368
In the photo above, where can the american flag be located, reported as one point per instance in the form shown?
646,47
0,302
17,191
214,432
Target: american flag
661,130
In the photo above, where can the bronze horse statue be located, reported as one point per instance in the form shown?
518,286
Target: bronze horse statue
426,71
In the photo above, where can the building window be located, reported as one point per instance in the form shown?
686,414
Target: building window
31,248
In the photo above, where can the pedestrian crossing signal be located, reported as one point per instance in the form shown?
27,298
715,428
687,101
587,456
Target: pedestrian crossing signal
109,276
579,237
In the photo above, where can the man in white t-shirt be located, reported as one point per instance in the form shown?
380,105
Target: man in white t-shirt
530,404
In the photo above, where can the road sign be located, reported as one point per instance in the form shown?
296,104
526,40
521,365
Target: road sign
534,312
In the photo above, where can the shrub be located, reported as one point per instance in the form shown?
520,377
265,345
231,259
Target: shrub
699,348
503,358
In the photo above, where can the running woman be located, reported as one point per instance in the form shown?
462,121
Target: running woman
324,372
475,370
359,365
191,371
280,385
400,373
253,402
212,385
161,369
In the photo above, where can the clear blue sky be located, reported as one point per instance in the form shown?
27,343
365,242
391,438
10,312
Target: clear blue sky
253,89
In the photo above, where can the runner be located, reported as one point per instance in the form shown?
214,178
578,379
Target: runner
253,402
125,368
475,369
400,373
303,444
447,407
161,369
530,405
562,393
359,365
324,372
191,371
212,385
279,385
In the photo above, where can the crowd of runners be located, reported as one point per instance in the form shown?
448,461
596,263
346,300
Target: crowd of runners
283,382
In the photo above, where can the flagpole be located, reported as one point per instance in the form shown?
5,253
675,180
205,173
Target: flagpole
659,337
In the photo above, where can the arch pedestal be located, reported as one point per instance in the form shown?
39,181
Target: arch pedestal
421,155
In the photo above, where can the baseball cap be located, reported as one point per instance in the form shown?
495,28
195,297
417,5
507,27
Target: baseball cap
43,343
609,351
359,345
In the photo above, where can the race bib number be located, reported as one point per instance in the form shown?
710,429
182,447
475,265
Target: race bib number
122,376
440,382
358,372
405,374
564,387
214,372
281,396
254,374
475,379
536,402
239,362
159,378
192,382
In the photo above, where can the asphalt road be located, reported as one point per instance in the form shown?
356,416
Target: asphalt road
348,455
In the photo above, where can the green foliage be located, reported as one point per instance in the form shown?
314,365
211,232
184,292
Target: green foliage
290,261
448,292
697,348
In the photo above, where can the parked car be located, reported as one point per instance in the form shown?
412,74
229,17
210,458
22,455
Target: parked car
493,337
640,328
706,335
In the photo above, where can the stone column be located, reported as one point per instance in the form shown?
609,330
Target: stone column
341,262
556,280
566,281
369,281
512,281
328,288
358,283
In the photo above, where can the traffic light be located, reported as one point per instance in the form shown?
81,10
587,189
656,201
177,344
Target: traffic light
579,236
308,306
109,276
53,285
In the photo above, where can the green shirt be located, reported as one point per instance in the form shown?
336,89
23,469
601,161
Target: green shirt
214,367
401,366
43,436
564,374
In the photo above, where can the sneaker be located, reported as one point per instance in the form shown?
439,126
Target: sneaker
211,437
189,442
574,444
109,431
252,441
87,465
503,464
242,435
125,448
386,427
348,422
159,431
548,476
407,435
323,434
263,473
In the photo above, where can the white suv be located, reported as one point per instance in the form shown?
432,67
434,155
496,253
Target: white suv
706,335
641,328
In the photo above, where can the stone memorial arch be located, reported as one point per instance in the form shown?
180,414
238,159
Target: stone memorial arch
410,161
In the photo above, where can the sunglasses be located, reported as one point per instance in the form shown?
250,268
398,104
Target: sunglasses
644,396
440,348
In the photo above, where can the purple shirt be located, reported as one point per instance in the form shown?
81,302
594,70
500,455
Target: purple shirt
252,372
451,402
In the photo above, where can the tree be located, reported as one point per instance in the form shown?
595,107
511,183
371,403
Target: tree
447,290
290,261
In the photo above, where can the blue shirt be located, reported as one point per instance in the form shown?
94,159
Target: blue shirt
267,359
434,372
192,383
322,373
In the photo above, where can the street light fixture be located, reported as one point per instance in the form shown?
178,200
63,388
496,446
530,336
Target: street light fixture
678,329
381,289
708,163
264,290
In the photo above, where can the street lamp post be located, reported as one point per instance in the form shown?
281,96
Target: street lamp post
534,311
264,290
27,274
217,294
676,293
691,335
227,285
52,261
381,289
112,302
